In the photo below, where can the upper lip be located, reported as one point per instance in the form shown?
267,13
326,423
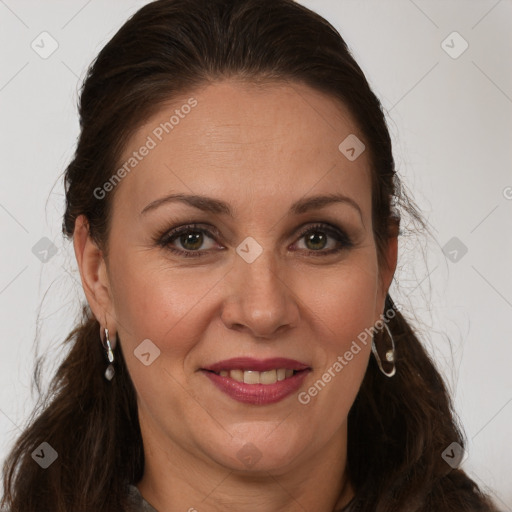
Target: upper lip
259,365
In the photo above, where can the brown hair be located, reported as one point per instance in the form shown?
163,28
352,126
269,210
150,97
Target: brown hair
398,427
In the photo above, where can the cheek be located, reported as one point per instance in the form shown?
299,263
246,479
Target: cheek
342,301
160,303
167,306
342,306
173,306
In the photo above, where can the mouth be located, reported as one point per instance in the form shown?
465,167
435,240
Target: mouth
257,382
255,377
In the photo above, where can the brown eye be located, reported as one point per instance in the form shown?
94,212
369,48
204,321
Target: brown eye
317,239
191,241
188,241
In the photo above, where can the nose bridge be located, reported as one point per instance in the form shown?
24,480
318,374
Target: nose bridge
260,300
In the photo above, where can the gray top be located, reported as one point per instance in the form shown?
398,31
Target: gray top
139,504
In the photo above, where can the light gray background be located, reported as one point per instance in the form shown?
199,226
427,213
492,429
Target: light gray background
451,123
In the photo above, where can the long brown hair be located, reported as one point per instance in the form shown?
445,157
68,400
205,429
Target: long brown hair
398,427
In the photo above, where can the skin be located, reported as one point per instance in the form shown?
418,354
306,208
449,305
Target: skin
258,148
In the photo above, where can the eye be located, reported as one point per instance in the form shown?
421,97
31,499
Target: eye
189,240
318,237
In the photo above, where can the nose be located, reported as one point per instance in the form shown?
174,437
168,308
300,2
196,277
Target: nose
258,300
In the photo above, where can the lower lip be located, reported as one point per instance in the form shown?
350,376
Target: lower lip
258,394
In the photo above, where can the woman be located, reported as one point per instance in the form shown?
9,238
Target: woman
234,210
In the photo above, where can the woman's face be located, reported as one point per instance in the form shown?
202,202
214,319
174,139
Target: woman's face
252,284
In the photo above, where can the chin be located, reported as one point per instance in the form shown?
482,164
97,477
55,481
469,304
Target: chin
259,453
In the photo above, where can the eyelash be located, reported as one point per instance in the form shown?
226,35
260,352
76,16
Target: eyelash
340,236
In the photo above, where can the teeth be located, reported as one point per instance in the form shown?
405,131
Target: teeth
268,377
251,377
237,375
254,377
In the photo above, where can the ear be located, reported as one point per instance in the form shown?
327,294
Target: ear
93,272
389,262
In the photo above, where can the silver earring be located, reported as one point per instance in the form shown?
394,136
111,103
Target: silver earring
110,346
390,354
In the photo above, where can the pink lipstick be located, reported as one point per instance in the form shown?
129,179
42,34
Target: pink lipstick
257,382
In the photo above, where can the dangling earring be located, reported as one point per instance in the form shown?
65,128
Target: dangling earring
390,354
109,346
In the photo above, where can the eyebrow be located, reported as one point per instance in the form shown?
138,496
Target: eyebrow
211,205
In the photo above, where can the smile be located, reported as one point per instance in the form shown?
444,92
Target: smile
256,377
257,381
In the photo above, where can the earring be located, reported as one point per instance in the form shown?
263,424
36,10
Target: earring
110,346
390,354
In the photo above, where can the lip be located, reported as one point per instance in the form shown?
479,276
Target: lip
258,394
259,365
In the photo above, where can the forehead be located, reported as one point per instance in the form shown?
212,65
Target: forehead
238,141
